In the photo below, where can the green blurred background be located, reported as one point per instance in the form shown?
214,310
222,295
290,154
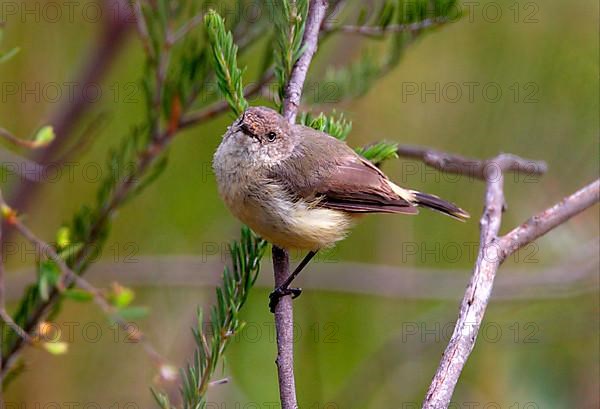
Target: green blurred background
356,348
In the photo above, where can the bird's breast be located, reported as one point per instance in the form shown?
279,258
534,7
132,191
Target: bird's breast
269,210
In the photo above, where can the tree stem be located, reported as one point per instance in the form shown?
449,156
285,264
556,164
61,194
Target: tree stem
284,313
284,326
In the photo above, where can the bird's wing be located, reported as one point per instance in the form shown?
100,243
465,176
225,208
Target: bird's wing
335,177
357,186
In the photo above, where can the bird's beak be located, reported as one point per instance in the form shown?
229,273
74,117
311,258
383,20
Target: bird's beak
242,126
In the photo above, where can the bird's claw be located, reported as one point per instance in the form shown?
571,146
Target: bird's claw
279,292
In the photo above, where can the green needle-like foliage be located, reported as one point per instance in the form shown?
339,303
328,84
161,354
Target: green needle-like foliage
379,152
224,51
338,127
418,17
224,323
181,59
290,18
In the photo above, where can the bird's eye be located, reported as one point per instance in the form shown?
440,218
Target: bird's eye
271,136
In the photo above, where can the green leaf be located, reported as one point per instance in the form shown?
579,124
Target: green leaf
48,276
121,296
224,51
133,313
63,237
43,136
69,252
161,398
77,294
379,152
338,127
56,348
386,13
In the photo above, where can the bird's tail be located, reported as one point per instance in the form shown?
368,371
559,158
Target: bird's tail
440,205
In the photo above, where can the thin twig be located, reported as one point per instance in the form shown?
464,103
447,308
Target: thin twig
547,220
15,327
142,28
493,250
18,141
69,277
474,301
284,313
6,317
474,168
284,327
378,31
293,90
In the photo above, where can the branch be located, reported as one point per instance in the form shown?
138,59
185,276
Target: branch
18,330
225,322
293,90
284,327
69,277
475,168
549,219
30,144
284,314
492,252
224,52
474,301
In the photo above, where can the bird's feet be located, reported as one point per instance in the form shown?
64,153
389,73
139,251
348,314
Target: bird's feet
279,292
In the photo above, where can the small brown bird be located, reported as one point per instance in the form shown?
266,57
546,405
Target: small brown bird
300,188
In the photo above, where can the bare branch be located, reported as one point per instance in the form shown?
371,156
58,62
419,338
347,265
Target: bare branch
475,168
474,302
492,252
284,327
15,327
142,28
284,313
293,90
18,141
550,218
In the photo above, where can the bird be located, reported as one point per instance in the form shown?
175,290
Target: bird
302,189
